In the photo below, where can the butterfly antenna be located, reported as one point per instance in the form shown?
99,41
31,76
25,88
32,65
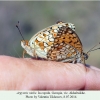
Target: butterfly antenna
94,47
20,31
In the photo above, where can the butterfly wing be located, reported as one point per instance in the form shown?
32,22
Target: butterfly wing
57,42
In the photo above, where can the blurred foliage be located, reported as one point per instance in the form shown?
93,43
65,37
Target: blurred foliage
36,15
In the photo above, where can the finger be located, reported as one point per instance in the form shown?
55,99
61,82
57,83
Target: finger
31,74
92,78
47,75
58,76
65,76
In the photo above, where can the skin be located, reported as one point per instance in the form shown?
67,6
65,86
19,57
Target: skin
30,74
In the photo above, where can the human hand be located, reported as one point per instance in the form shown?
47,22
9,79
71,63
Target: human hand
29,74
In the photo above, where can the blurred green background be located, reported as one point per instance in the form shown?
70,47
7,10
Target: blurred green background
36,15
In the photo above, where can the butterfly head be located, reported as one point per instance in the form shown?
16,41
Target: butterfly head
85,55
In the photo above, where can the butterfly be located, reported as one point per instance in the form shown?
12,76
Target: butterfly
58,42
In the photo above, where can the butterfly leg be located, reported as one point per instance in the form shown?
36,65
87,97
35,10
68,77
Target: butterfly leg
35,55
74,60
83,60
23,53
